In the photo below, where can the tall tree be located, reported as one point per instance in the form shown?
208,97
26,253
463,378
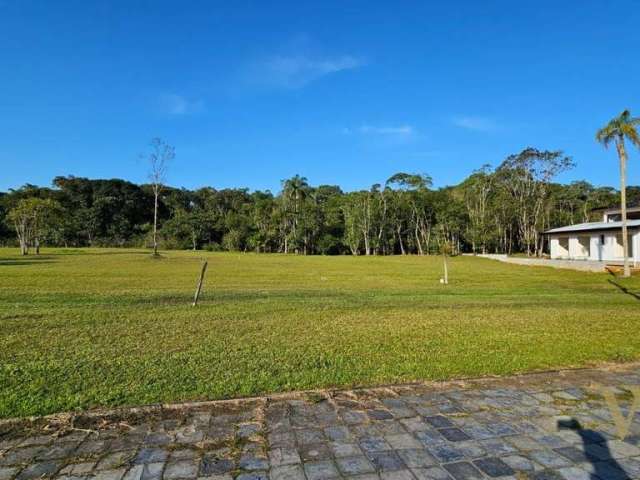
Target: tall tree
617,130
159,157
32,219
415,187
478,189
527,176
21,216
294,191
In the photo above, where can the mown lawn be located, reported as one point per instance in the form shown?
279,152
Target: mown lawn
85,328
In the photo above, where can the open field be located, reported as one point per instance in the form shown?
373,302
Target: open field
82,328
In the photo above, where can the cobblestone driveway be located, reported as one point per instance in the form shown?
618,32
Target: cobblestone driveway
542,426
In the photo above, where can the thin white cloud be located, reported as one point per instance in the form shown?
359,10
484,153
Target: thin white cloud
296,71
384,135
173,104
399,131
477,123
427,154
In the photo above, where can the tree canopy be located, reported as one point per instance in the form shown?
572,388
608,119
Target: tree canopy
493,210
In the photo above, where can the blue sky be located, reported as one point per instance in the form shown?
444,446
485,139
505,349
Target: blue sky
343,92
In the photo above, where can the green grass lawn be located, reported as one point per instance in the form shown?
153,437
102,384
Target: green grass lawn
100,327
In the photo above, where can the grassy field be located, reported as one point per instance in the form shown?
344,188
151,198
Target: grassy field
85,328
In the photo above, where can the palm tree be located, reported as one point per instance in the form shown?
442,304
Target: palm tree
619,128
294,191
295,188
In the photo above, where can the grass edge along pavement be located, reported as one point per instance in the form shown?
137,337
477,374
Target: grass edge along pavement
101,418
542,423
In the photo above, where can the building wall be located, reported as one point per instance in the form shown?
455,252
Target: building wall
598,246
579,247
596,251
558,247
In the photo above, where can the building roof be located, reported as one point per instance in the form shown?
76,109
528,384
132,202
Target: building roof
635,208
584,227
610,210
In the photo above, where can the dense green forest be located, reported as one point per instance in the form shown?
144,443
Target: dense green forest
501,209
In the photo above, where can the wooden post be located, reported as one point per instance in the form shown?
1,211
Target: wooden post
199,287
446,269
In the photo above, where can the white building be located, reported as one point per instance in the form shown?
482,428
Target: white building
597,241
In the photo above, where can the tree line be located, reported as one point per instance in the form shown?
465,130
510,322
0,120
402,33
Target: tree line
497,210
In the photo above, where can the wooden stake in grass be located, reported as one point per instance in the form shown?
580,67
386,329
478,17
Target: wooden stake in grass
199,287
445,249
446,269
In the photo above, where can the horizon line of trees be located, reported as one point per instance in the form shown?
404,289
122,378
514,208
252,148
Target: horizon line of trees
497,210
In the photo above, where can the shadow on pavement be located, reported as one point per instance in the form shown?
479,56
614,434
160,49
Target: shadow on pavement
604,465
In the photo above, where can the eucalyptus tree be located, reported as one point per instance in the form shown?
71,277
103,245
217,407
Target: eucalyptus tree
21,218
576,203
581,200
414,188
621,128
366,218
527,176
450,218
398,215
32,219
351,212
380,222
477,191
504,216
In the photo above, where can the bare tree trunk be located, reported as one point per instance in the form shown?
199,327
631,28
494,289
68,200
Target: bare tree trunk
380,248
36,244
623,204
155,222
400,241
22,234
418,243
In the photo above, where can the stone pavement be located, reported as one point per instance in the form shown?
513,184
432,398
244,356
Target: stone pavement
541,426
